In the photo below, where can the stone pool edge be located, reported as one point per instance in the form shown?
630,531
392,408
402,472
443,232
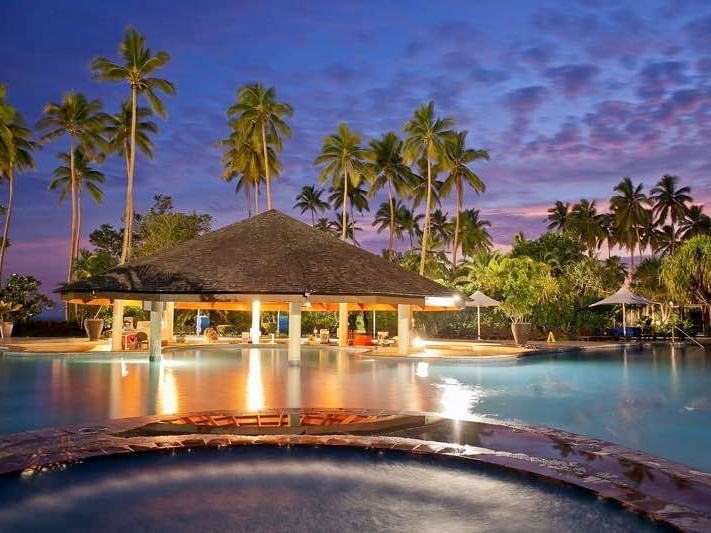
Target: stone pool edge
661,490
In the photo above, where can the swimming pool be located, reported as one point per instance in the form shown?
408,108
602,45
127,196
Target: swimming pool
298,489
655,399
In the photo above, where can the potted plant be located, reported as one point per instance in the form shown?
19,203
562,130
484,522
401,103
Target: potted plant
94,326
526,283
7,312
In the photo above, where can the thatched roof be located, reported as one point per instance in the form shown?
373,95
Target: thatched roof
268,254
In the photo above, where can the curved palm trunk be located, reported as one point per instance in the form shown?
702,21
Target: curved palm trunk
391,244
266,166
313,218
458,201
426,230
8,214
256,198
128,213
75,215
345,206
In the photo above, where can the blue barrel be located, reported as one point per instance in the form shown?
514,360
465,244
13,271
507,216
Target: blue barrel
203,322
283,323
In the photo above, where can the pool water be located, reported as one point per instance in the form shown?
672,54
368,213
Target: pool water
298,489
655,399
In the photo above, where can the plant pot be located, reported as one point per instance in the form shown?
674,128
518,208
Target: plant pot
521,332
6,328
93,328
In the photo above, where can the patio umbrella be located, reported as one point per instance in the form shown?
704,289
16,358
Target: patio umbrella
478,300
624,297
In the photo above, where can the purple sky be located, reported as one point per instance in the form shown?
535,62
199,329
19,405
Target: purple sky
568,97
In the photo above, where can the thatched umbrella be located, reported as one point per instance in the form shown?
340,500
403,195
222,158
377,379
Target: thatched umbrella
624,297
479,300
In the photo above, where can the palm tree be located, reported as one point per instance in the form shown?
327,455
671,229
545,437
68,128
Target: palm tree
118,132
138,65
16,148
83,176
357,198
323,224
664,240
406,222
83,121
670,203
309,199
695,223
349,229
629,207
343,161
389,171
244,159
426,136
606,221
584,222
475,237
459,174
260,115
440,228
559,216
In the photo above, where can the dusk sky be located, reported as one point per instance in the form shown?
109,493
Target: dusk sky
568,97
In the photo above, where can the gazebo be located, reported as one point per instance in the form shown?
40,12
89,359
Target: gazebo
268,262
624,297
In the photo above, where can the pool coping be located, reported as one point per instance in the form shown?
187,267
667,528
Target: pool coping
665,492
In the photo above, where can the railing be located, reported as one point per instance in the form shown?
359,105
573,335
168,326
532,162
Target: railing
685,334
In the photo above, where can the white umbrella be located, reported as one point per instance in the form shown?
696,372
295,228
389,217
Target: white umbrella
478,300
624,297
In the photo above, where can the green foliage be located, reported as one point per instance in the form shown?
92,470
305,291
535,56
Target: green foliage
687,273
524,283
556,249
22,299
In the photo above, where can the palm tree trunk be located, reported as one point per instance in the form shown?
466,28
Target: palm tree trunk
313,219
458,208
426,230
266,166
345,205
256,198
8,214
128,213
391,243
73,233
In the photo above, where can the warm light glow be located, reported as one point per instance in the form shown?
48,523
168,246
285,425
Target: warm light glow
458,399
422,370
167,391
255,387
442,301
418,342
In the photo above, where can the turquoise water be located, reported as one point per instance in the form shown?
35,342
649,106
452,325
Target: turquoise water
298,489
657,400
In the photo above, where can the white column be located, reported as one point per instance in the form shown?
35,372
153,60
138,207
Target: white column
403,328
168,322
343,324
116,326
154,346
255,331
294,334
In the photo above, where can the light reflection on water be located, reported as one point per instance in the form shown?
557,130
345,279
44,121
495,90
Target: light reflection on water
657,400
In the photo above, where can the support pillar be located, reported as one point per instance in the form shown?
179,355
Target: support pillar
117,326
404,321
168,322
294,334
342,324
255,331
154,343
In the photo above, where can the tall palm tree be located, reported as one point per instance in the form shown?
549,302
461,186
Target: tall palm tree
695,223
426,136
606,221
475,235
71,183
386,217
260,115
670,203
584,222
630,210
309,199
342,159
136,70
664,240
389,171
558,216
441,230
7,116
458,159
118,132
83,122
16,147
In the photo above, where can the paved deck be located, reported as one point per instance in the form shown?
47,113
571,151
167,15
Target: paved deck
663,491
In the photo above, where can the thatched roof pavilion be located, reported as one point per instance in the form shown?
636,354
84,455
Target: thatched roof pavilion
271,260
